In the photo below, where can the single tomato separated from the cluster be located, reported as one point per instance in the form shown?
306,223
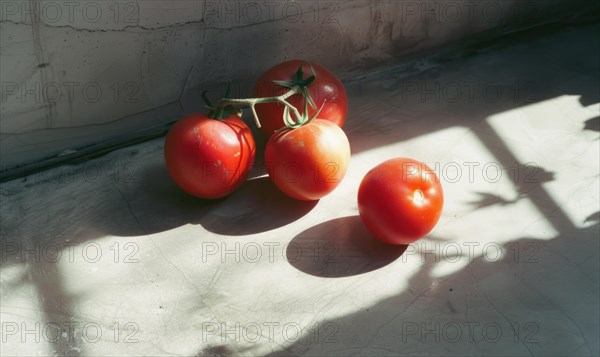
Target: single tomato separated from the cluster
400,200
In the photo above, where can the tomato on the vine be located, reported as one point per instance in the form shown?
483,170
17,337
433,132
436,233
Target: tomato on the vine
326,90
209,158
308,162
210,155
400,200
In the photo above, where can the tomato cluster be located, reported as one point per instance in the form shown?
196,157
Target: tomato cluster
306,156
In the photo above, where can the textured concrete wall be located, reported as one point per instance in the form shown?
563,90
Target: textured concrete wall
77,73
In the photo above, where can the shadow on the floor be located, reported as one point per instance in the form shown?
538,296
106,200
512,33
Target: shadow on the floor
258,206
592,124
411,316
338,248
594,217
523,284
255,207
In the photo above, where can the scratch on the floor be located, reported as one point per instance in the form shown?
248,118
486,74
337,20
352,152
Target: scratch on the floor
572,262
516,334
467,309
131,210
546,217
460,140
118,309
185,277
214,278
399,313
532,287
450,306
160,348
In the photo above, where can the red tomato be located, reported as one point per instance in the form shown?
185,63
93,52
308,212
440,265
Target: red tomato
308,162
400,200
325,88
209,158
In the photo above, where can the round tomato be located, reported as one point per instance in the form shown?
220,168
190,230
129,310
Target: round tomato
400,200
308,162
326,88
209,158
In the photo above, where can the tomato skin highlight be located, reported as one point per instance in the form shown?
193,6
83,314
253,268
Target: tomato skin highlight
400,200
326,88
209,158
308,162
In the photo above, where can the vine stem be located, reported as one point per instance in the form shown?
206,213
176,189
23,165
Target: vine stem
251,102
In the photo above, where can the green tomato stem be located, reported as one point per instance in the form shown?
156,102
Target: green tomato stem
251,102
291,116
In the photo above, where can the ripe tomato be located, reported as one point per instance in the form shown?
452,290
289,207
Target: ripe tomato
209,158
325,88
308,162
400,200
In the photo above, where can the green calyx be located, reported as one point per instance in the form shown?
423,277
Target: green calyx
299,85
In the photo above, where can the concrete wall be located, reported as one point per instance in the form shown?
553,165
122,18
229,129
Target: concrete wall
79,73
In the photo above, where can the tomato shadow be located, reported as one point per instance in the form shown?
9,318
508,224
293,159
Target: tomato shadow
592,124
338,248
256,207
429,298
158,204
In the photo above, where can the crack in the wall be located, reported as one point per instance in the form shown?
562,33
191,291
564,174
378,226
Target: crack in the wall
225,26
197,59
121,29
41,59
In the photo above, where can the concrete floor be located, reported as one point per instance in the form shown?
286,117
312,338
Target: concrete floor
109,257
